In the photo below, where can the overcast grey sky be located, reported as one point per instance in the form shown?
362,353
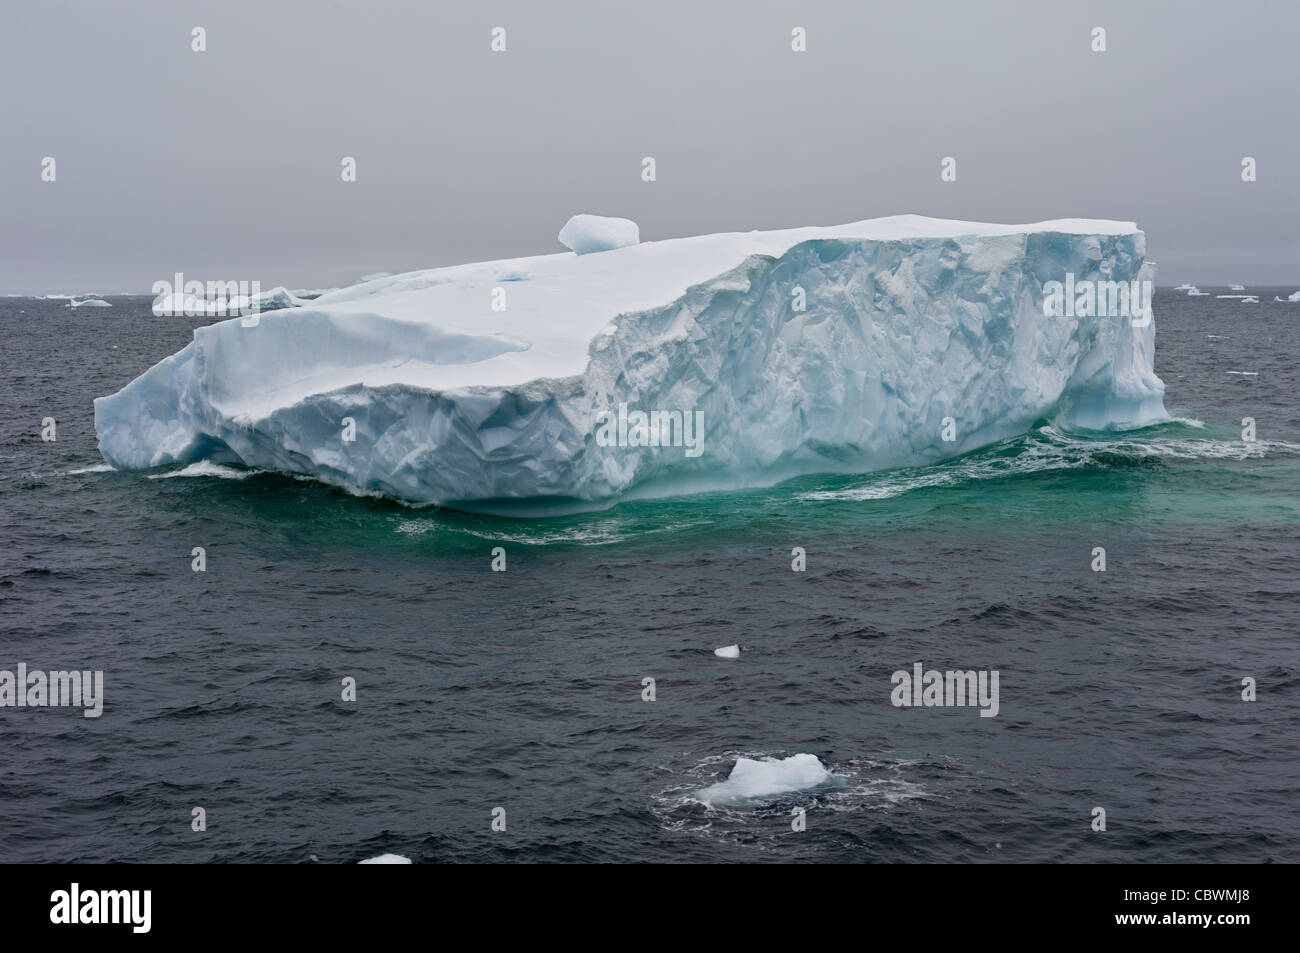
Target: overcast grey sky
225,164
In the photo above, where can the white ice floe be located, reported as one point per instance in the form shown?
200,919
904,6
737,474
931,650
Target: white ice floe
844,349
386,859
1236,287
728,651
584,234
89,303
753,781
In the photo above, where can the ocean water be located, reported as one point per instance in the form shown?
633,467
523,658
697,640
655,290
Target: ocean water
523,690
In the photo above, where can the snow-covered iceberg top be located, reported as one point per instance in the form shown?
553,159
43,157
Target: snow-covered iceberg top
764,355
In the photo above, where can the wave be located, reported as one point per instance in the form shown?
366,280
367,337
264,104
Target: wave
206,468
1049,447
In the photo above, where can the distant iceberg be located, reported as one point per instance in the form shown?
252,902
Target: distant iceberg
89,303
565,379
1294,297
180,303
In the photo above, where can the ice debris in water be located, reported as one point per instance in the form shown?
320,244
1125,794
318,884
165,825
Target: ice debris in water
753,781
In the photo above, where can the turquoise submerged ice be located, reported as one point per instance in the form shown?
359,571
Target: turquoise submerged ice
484,383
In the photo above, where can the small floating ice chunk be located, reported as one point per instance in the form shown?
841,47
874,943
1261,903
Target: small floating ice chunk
588,233
89,303
728,651
1236,287
753,781
386,859
1294,297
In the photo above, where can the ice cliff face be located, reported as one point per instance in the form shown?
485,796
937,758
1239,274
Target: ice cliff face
882,343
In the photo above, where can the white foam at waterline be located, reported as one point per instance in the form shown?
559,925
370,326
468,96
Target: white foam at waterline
386,859
1043,458
97,468
206,468
752,780
1245,373
728,651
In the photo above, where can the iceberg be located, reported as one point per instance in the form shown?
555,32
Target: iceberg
754,782
89,303
177,303
584,234
570,380
1294,297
